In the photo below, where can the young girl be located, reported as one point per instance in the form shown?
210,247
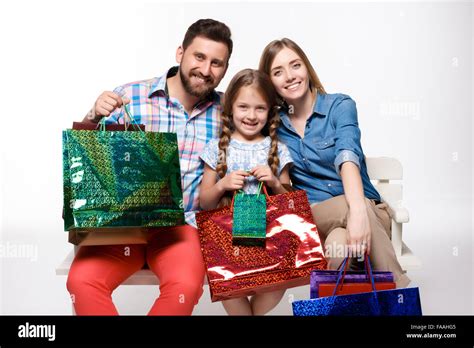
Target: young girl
247,153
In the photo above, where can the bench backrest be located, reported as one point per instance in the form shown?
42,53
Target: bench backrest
383,169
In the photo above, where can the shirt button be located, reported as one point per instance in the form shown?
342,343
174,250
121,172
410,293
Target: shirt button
304,159
329,185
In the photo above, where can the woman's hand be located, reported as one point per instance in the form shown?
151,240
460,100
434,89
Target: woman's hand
233,181
358,228
264,174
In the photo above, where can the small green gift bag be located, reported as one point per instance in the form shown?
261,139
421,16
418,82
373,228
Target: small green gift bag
249,218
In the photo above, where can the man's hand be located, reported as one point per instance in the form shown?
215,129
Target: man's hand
105,105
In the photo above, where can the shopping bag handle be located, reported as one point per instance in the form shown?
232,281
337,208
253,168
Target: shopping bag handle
342,273
127,121
133,122
261,187
365,266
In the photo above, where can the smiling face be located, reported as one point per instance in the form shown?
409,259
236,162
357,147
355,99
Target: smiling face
249,114
289,75
202,65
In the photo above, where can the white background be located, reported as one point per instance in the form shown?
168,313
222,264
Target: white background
409,66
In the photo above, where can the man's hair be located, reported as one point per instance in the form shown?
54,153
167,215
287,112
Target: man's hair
210,29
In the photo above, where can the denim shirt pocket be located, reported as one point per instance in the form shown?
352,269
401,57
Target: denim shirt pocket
326,150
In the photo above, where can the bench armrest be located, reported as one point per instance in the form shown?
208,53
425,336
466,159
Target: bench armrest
397,211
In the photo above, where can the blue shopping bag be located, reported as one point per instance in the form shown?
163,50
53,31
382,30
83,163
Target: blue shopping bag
396,302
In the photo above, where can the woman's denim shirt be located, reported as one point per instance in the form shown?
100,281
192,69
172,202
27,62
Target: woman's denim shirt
331,137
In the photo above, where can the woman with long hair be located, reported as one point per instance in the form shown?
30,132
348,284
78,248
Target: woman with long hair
322,134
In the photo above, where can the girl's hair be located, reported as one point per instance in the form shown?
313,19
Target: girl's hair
274,47
261,82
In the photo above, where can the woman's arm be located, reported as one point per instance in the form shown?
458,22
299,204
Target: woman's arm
358,226
211,190
347,163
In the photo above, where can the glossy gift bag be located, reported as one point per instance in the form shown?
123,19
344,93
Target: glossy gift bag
395,302
292,249
323,282
105,236
249,218
116,179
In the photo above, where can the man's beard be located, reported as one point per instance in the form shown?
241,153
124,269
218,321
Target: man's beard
200,93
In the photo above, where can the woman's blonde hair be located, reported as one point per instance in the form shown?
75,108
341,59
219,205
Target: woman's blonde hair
274,47
261,82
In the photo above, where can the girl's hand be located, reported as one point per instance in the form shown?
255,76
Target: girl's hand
358,228
265,174
233,181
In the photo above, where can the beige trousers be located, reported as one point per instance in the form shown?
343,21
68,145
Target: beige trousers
331,219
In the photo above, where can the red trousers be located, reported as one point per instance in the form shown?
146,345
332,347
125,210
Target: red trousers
173,254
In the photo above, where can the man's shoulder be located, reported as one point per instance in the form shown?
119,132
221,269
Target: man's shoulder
139,84
218,98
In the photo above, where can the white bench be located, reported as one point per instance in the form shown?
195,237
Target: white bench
381,171
142,277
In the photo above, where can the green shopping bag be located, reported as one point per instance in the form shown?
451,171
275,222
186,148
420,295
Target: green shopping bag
249,218
121,179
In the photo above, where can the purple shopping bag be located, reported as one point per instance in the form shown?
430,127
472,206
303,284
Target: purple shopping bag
395,302
330,277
